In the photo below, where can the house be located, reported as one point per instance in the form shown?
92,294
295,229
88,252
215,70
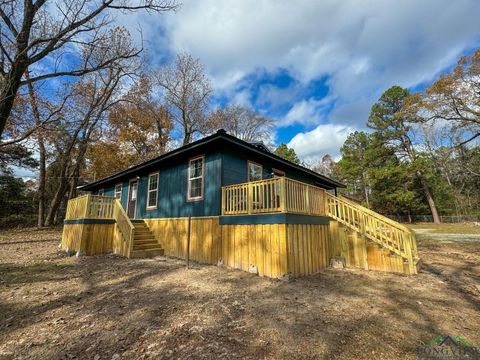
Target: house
233,203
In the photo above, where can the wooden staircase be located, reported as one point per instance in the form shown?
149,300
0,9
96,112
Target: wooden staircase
144,243
389,235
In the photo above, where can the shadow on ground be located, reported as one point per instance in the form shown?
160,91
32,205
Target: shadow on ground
57,307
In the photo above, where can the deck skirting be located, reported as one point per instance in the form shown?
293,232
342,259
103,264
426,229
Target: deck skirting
290,246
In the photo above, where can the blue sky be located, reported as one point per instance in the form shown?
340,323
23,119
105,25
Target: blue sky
315,67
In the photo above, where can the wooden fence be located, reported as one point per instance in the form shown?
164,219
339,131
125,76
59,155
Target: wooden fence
279,194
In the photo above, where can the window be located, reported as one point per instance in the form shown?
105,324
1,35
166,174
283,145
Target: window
100,192
118,191
195,178
152,194
254,171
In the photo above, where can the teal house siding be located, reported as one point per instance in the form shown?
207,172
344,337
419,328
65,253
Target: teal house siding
225,163
235,169
173,185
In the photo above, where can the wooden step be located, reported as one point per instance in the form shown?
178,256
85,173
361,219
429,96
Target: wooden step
136,254
146,246
143,236
145,241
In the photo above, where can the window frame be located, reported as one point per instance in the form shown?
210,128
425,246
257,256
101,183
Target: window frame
115,192
152,207
248,170
201,197
102,190
278,172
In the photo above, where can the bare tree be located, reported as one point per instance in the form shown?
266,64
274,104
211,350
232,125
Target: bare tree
187,92
90,100
58,31
242,122
455,98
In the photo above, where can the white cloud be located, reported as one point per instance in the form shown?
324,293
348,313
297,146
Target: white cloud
306,112
363,47
324,139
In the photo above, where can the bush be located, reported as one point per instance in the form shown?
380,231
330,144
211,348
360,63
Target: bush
18,220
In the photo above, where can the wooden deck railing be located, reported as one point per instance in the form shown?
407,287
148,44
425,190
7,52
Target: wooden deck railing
377,228
90,207
104,207
278,194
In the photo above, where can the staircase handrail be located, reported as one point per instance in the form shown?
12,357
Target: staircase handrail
125,226
404,245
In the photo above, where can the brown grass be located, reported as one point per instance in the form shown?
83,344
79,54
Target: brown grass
465,228
54,307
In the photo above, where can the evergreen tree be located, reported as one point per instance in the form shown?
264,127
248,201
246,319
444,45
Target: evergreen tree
287,153
393,122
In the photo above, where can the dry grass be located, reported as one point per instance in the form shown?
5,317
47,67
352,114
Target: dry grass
55,307
465,228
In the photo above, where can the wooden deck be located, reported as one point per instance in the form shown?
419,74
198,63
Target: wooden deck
94,224
365,239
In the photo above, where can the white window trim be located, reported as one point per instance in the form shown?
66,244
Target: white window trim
149,191
102,191
196,198
115,192
248,170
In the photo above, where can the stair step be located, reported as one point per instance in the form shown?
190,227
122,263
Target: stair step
142,228
136,254
145,241
146,246
145,235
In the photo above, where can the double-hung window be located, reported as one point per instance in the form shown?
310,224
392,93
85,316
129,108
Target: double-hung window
118,191
101,192
254,171
152,194
195,178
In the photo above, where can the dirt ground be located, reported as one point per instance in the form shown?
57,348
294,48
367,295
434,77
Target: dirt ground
107,307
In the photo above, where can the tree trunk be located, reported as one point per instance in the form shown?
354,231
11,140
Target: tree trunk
187,138
42,155
11,84
57,198
41,182
367,200
429,197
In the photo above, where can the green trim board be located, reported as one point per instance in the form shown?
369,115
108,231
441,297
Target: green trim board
278,218
88,221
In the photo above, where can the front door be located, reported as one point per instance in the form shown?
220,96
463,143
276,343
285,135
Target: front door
132,199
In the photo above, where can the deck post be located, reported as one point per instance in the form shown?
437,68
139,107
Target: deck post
282,194
307,202
189,225
408,250
87,205
250,197
363,232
